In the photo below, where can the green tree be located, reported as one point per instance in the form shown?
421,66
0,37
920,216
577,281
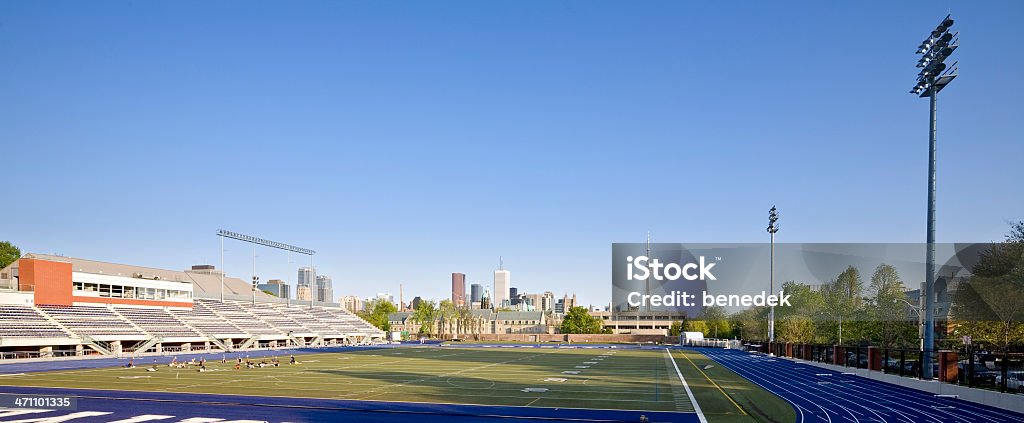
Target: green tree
376,312
579,320
8,253
446,315
717,321
675,329
425,315
698,326
795,328
841,300
991,304
887,310
751,324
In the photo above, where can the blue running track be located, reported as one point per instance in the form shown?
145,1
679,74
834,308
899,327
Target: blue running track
839,397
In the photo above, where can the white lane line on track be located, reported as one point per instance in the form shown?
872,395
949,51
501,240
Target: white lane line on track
64,418
696,407
144,418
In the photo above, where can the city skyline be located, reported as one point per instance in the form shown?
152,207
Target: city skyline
166,135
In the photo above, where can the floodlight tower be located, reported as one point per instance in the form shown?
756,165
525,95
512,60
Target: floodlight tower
933,77
773,227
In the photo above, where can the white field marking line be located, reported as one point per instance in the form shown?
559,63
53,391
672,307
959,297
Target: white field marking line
696,407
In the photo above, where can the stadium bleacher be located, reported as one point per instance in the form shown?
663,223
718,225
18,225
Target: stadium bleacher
28,322
208,321
92,321
158,322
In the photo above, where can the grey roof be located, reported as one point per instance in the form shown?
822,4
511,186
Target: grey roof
201,282
399,316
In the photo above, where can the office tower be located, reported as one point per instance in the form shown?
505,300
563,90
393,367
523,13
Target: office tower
324,288
547,303
305,277
502,280
476,293
459,289
416,302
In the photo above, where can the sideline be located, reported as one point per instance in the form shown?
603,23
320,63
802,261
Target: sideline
696,407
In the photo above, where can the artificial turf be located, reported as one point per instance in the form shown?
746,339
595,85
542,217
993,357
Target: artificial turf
606,378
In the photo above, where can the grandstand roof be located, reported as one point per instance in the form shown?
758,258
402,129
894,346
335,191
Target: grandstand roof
207,283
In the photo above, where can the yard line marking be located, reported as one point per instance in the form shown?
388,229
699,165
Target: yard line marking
716,384
696,407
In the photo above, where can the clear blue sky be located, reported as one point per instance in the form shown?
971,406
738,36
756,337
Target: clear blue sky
407,140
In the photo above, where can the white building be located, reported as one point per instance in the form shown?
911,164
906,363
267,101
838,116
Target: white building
502,282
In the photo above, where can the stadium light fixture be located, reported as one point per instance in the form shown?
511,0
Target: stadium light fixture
773,227
257,241
933,77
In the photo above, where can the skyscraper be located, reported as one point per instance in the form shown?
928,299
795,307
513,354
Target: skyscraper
502,280
305,277
324,289
476,293
459,289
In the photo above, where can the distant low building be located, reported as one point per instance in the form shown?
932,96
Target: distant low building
276,287
639,323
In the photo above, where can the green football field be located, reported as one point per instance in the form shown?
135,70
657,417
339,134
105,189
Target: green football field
601,378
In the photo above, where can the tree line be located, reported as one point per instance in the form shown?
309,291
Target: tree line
988,306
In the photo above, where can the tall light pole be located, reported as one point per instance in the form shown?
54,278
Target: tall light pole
773,227
933,77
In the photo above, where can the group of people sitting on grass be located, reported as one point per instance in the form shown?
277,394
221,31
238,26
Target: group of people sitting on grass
201,364
249,364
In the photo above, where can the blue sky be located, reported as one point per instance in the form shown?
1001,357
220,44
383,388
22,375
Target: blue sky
407,140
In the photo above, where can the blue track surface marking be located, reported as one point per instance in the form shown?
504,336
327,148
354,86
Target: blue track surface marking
841,397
